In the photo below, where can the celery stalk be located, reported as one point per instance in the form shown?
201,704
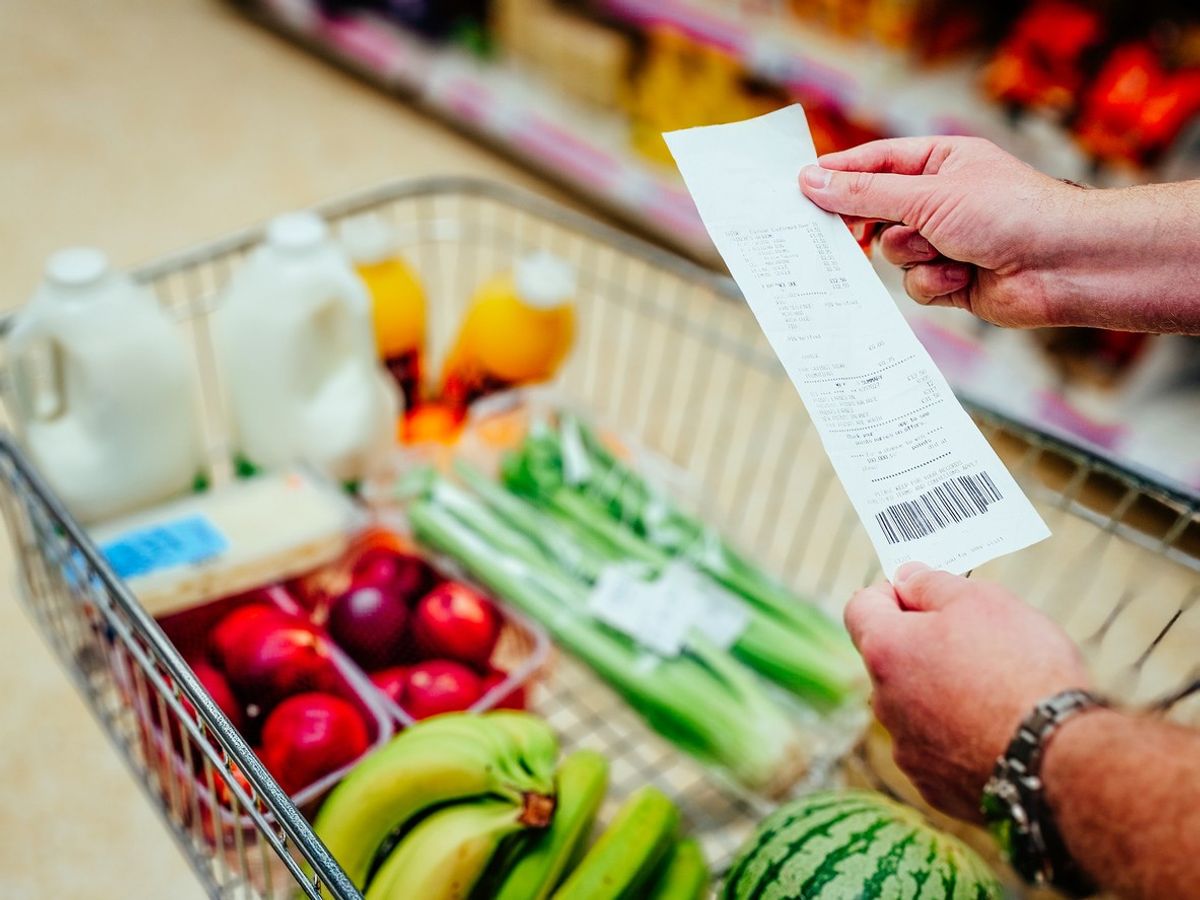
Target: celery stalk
789,641
614,489
702,699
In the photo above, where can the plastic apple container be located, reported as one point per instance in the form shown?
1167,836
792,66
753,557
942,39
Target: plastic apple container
264,663
430,643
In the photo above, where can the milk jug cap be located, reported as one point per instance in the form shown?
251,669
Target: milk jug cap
296,231
76,266
544,281
368,240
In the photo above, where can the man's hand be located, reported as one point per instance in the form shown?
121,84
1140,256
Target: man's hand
978,229
976,225
956,665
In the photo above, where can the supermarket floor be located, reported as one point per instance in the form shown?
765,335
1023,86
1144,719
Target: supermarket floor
143,126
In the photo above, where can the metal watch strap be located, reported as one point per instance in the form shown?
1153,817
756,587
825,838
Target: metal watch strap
1014,801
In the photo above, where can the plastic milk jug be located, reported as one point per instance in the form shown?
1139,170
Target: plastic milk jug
105,389
297,356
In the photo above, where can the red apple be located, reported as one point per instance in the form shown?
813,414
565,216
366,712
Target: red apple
278,658
218,825
439,686
368,623
391,681
410,577
222,694
310,735
514,699
457,622
225,795
255,715
217,687
234,625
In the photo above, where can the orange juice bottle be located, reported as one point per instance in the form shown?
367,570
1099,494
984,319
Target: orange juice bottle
518,330
397,301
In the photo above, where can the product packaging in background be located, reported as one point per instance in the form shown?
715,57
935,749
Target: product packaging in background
296,356
1101,95
229,539
398,303
104,389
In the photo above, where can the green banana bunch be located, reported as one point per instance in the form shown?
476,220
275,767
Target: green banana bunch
627,856
581,783
446,853
534,739
506,756
685,875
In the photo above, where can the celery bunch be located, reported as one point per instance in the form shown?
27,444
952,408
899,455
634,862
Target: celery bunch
613,514
703,700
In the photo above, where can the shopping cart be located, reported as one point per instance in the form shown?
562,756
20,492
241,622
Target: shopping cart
669,354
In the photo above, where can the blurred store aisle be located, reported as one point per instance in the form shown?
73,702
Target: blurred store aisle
145,126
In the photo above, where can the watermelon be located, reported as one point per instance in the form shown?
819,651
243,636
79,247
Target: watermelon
855,845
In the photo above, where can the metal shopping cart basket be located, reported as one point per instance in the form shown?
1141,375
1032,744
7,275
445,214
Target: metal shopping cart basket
667,352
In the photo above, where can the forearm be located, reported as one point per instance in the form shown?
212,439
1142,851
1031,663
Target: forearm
1129,259
1125,792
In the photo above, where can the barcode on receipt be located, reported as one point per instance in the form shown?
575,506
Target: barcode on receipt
963,497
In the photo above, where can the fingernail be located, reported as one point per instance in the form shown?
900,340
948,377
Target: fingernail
958,275
816,177
919,245
907,571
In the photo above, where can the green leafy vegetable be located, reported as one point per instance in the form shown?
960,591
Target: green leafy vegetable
568,472
703,700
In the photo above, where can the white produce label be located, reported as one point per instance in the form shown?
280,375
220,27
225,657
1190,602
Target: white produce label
623,599
712,611
661,612
924,481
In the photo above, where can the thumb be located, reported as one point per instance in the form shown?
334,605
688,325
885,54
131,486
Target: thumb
870,195
923,589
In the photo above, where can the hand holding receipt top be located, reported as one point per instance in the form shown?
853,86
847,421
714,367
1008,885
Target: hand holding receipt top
924,481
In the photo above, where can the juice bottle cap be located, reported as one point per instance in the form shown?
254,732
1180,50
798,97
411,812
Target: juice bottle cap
296,231
544,281
368,240
76,266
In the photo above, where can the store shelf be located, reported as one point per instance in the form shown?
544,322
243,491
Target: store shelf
580,147
586,150
872,83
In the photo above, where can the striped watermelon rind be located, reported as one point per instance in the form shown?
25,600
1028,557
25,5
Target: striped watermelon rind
856,845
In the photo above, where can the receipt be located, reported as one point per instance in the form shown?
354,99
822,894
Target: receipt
923,480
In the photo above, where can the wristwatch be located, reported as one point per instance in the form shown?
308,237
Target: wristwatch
1014,802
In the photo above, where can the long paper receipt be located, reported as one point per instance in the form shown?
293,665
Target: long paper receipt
924,481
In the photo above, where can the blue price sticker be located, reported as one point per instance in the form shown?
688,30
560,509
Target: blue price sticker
178,543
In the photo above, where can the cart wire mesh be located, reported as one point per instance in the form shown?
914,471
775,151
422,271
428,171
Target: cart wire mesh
669,353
